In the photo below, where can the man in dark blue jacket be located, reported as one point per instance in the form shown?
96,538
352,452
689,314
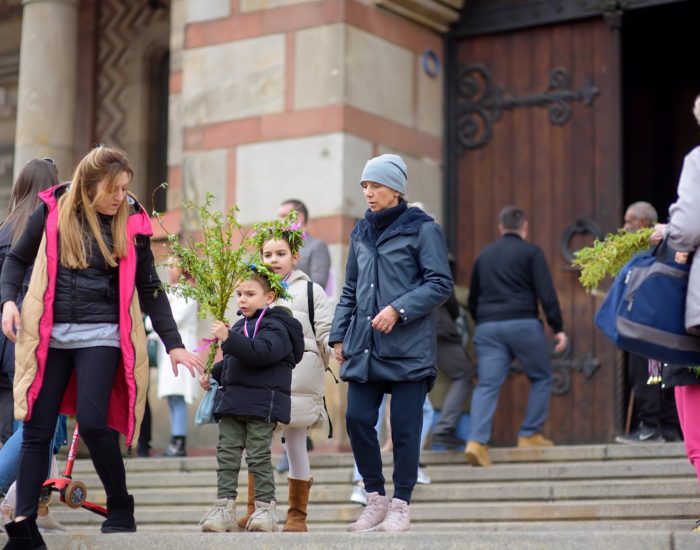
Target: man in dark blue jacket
509,278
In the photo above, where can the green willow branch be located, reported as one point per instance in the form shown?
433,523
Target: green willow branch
605,258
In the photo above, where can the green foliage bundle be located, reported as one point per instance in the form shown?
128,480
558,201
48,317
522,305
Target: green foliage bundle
213,267
606,258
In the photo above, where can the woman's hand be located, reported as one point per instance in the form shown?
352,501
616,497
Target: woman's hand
385,320
11,321
219,330
658,234
204,382
180,356
338,352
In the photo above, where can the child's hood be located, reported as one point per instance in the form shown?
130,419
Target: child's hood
294,328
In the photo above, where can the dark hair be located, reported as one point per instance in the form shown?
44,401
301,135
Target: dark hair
512,218
36,176
300,207
262,281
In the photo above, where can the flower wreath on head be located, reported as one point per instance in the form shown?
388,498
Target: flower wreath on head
277,285
286,228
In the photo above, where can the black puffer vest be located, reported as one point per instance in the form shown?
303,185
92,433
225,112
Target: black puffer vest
89,295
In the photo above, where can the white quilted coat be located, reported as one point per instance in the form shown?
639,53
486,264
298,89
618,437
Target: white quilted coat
308,376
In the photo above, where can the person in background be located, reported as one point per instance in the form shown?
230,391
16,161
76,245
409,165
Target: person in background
454,363
314,258
509,278
657,419
36,176
180,391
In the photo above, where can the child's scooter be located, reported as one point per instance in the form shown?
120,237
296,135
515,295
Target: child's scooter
73,493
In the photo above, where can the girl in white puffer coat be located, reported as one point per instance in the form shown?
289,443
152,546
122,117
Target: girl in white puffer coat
311,307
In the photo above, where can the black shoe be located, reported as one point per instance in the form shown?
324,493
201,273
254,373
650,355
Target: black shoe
24,535
448,440
671,435
120,515
176,447
643,434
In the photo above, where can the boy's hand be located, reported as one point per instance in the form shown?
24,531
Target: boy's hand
219,330
204,382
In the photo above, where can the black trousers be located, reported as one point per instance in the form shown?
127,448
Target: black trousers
95,368
654,406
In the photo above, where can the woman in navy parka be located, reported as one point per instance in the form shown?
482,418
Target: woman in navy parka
384,335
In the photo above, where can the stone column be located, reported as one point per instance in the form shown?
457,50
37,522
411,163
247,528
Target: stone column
47,84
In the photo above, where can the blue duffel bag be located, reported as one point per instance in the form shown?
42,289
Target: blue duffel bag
644,311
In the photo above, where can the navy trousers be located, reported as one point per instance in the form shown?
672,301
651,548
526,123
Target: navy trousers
407,400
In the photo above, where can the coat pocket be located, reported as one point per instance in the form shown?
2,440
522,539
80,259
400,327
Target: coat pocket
406,341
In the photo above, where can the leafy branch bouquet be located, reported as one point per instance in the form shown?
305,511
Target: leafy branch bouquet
606,258
213,266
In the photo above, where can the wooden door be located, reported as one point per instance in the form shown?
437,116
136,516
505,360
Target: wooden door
535,121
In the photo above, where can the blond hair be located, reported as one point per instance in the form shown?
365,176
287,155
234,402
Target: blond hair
696,109
77,217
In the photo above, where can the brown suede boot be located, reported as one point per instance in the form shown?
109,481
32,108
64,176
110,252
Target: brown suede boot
243,521
298,500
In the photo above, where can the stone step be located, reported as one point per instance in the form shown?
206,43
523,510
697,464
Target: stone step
603,525
576,453
451,492
654,468
446,512
524,539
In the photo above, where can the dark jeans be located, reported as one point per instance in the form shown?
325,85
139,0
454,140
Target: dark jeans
654,406
406,418
95,368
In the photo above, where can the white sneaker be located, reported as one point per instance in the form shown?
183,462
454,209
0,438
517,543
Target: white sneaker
423,478
264,518
359,495
221,517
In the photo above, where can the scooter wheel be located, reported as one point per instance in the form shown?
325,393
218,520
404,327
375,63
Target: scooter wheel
75,494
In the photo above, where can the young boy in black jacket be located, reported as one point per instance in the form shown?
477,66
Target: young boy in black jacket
255,379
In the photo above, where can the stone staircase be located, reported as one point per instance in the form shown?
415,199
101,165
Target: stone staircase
643,496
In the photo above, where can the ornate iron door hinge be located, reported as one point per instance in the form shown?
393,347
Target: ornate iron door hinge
480,103
562,368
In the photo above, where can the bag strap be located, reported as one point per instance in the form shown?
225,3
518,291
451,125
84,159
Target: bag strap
310,301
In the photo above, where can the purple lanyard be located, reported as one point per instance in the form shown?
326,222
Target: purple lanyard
257,324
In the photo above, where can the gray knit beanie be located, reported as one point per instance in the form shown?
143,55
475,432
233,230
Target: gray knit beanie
389,170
